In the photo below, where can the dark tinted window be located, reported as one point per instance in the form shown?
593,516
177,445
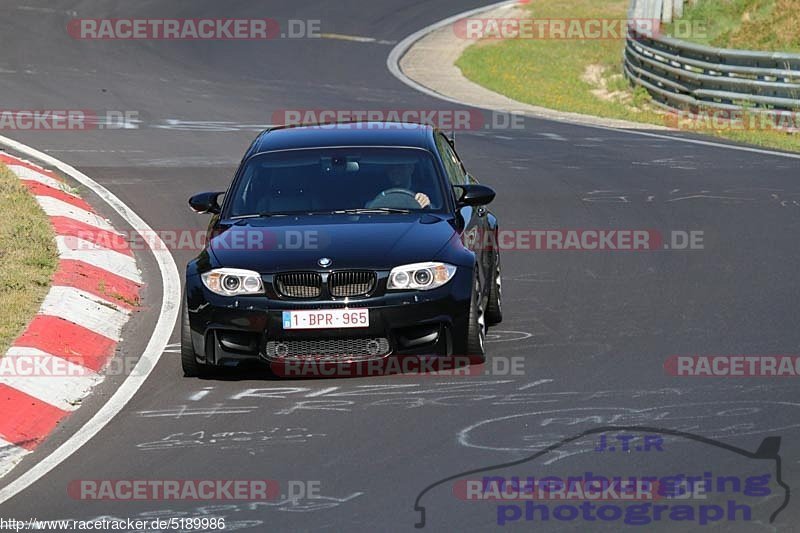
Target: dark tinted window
454,169
330,179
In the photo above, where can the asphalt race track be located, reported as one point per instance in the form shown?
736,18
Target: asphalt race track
591,330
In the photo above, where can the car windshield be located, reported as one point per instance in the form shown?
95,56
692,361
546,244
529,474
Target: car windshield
346,180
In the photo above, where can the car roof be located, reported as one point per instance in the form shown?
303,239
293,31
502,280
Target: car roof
345,134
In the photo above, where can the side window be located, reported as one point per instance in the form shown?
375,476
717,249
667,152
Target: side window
454,169
457,162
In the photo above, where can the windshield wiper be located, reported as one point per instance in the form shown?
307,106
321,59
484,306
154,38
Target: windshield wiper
371,210
258,215
266,214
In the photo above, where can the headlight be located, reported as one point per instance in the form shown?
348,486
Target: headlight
420,276
232,282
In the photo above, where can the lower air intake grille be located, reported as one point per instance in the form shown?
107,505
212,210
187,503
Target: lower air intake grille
328,350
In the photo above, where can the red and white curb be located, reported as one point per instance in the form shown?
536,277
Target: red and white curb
59,357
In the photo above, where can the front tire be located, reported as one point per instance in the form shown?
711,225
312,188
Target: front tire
476,325
494,308
191,368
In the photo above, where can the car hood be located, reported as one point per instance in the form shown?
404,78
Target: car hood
375,242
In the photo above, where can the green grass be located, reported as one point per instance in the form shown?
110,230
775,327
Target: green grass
769,25
583,76
551,73
28,257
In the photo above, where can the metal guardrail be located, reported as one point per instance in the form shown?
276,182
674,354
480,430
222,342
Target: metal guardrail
688,76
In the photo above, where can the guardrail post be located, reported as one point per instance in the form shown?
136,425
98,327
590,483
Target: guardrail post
666,11
677,10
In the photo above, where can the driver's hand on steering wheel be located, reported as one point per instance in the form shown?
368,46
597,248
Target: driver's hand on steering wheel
422,199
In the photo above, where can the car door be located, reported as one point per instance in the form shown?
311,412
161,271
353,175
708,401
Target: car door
474,218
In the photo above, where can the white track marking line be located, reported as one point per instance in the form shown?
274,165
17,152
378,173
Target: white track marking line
199,395
168,316
53,207
89,252
752,150
342,37
535,384
321,392
397,53
86,310
553,136
49,378
354,38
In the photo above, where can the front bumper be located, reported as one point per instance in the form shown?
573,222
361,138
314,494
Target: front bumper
230,330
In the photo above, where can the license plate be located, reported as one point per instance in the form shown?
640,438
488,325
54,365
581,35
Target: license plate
326,319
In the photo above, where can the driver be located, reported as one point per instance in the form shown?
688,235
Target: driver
400,178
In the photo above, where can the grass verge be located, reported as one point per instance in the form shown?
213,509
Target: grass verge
28,257
583,76
768,25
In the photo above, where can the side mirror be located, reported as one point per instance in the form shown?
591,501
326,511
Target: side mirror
475,195
205,202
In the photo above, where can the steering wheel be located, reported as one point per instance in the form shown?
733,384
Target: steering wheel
396,197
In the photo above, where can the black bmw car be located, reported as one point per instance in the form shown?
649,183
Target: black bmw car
343,243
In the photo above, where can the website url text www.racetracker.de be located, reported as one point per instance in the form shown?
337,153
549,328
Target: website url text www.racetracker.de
158,524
